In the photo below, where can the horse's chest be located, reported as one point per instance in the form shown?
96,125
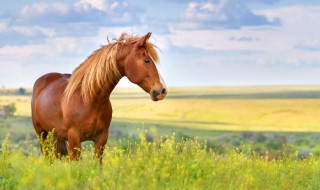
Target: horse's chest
91,121
94,126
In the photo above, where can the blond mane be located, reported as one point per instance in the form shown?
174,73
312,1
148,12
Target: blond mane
100,68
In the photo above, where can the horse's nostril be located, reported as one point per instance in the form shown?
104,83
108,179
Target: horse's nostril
155,95
164,91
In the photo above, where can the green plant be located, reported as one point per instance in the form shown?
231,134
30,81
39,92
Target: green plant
166,163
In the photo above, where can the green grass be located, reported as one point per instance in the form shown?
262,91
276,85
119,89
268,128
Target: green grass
163,164
257,138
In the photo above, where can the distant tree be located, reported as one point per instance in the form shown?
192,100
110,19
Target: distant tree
8,110
21,90
11,109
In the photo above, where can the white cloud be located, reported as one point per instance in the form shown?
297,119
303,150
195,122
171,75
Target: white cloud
300,31
102,12
293,14
51,47
263,1
88,4
247,1
162,41
309,45
33,31
102,5
221,14
34,23
3,26
24,51
275,45
30,61
26,31
41,9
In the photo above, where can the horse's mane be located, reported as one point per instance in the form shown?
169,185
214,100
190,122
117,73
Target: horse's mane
100,68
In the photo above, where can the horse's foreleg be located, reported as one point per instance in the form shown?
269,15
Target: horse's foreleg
42,139
99,145
74,144
42,135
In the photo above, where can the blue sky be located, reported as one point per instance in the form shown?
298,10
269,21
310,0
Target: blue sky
203,43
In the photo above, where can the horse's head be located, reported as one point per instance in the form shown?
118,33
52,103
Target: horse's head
138,63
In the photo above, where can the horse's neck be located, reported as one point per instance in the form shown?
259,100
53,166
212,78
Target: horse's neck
105,93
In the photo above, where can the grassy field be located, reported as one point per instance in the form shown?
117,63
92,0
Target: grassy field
282,108
238,138
208,112
163,164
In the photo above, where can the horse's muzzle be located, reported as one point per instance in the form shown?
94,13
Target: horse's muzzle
158,94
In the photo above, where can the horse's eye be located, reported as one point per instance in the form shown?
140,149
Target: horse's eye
147,61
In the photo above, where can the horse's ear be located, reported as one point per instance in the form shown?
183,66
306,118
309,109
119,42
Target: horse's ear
141,42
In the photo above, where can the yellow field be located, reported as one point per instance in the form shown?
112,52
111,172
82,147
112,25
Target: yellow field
22,103
282,108
252,115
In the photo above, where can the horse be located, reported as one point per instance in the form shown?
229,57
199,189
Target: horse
77,106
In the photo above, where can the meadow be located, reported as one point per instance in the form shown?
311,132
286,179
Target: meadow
163,164
197,138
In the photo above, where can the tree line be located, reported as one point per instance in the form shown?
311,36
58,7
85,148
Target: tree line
14,91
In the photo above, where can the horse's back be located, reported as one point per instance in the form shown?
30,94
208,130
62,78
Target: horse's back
45,80
46,100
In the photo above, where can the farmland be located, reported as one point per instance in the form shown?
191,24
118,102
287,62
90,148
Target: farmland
222,115
268,133
288,109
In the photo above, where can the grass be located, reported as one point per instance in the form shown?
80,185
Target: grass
163,164
257,138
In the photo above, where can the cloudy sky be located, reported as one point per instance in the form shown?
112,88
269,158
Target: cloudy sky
203,43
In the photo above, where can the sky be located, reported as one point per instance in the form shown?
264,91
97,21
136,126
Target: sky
202,43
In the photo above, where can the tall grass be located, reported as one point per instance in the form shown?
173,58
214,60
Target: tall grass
167,163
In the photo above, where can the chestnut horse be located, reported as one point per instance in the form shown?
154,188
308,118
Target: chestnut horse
77,106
